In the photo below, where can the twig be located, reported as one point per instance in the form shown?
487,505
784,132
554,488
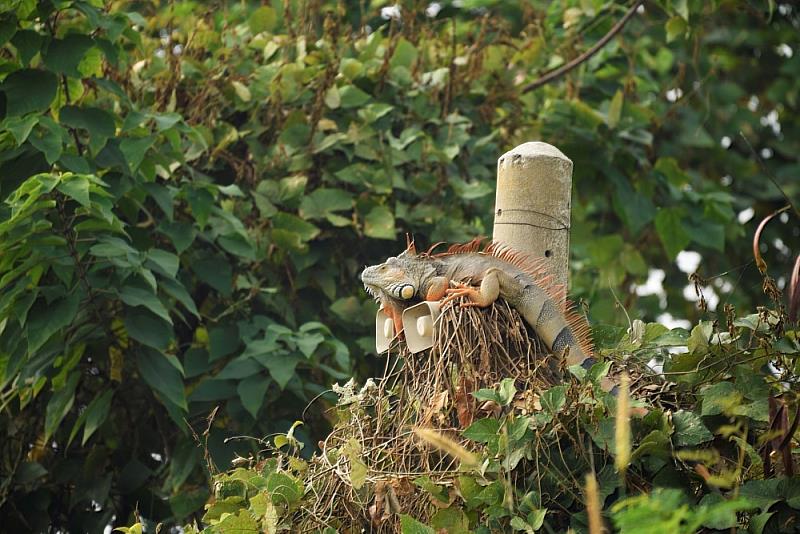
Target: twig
557,73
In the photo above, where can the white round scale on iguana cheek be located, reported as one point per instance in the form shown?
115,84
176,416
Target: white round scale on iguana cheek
425,325
407,292
388,327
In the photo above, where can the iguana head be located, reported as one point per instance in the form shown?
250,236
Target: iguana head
398,279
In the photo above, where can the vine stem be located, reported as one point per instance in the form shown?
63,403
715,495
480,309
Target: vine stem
557,73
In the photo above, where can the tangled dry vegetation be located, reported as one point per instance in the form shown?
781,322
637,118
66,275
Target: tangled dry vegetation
374,467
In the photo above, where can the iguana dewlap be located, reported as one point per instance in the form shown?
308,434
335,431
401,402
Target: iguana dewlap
481,275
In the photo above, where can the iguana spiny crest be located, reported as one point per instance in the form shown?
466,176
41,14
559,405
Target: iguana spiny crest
480,275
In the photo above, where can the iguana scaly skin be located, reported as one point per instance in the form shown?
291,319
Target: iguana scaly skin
497,271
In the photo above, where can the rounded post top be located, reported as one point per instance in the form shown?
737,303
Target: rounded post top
532,150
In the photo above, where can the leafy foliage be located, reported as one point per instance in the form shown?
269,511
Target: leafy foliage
188,194
696,457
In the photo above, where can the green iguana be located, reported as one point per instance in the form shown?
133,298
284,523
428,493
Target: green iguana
498,271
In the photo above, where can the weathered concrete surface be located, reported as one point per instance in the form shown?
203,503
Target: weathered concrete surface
532,208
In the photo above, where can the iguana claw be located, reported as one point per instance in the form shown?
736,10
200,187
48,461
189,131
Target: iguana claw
462,290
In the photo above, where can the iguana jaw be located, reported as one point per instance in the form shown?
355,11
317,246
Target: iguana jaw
371,278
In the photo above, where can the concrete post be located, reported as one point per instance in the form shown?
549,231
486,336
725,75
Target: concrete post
532,209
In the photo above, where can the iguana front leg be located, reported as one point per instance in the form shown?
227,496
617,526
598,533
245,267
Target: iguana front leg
437,288
482,297
397,319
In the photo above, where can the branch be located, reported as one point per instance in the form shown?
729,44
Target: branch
557,73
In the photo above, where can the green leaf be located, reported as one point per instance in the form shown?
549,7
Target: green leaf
148,329
332,98
709,234
280,366
93,416
77,188
536,518
44,320
304,230
50,139
598,371
351,96
676,337
28,91
554,399
672,171
165,263
214,271
351,68
252,391
486,395
700,337
96,414
161,375
519,524
20,127
675,27
358,469
615,109
635,207
689,429
324,201
483,430
241,523
8,27
134,296
241,91
59,405
176,290
759,521
409,525
223,340
506,391
28,44
405,54
184,503
379,223
213,390
656,443
195,362
308,343
471,190
134,150
669,225
238,244
451,520
262,19
240,367
283,489
762,493
64,55
372,112
92,62
99,123
681,7
181,234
